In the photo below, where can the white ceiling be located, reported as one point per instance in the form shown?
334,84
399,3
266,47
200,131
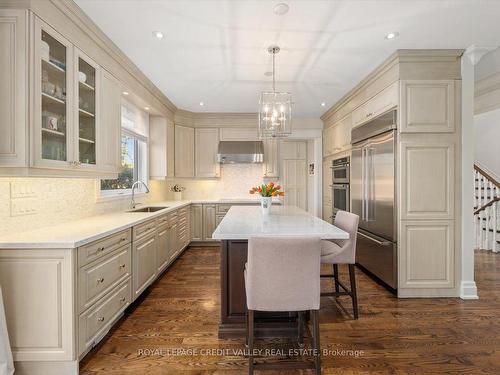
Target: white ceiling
216,51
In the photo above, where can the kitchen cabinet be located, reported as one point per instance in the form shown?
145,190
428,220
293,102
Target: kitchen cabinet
13,88
70,134
183,229
271,158
196,222
54,95
328,147
161,147
206,146
209,221
337,137
144,262
427,106
109,129
184,151
380,103
162,249
239,134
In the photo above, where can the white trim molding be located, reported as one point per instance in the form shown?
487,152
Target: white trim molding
468,290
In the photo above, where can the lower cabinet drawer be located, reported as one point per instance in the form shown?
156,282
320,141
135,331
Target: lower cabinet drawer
92,251
144,229
223,208
97,278
96,322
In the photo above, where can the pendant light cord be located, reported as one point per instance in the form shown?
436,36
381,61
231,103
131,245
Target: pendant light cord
274,79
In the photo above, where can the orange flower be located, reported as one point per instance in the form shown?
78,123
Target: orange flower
252,191
278,187
271,184
274,193
259,189
282,193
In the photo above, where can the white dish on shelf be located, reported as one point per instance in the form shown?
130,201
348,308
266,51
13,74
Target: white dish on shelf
45,50
82,77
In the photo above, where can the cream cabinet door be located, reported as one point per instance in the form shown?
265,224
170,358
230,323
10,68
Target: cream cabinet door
380,103
161,147
13,88
328,141
109,146
173,242
427,179
239,134
144,263
271,158
184,151
327,212
162,248
293,149
209,221
197,222
206,146
427,254
327,180
427,106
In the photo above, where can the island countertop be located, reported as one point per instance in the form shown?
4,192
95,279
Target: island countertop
241,223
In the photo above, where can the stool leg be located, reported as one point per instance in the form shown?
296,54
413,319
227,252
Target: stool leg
316,345
246,327
336,277
354,296
250,341
300,328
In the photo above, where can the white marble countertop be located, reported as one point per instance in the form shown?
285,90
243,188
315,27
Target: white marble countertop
241,223
80,232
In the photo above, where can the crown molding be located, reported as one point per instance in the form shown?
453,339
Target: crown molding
87,26
401,56
487,94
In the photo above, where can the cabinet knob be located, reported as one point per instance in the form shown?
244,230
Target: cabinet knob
101,319
101,280
123,239
122,266
122,299
100,248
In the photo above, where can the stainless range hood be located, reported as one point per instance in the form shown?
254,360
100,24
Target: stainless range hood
240,152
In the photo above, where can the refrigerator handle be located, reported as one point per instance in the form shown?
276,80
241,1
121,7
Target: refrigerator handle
363,183
381,243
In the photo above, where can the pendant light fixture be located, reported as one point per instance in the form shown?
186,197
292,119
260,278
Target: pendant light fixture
275,108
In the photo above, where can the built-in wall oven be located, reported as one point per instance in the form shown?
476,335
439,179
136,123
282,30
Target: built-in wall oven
340,185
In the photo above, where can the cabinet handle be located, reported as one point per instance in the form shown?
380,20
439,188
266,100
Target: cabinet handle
122,266
123,239
101,280
122,299
369,114
101,319
100,248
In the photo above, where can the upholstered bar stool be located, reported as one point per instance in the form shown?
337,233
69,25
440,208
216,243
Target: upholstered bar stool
337,252
283,274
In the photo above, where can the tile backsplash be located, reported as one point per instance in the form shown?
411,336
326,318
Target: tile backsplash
31,203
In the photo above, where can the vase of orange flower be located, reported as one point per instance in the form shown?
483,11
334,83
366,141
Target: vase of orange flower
267,192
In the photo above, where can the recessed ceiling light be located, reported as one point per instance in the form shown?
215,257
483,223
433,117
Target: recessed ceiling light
392,35
281,9
268,74
202,104
125,93
146,108
158,34
323,104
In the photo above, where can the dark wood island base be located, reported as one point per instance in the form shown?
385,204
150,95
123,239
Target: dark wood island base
233,299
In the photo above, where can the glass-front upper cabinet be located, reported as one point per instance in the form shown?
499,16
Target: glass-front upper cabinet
52,115
87,77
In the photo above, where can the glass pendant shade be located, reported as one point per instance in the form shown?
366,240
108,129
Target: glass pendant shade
275,109
275,114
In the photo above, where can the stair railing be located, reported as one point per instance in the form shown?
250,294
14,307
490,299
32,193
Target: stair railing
486,198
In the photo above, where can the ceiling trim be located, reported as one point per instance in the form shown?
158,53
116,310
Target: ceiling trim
487,94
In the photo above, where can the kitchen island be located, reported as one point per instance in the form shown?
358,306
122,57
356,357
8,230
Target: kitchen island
240,224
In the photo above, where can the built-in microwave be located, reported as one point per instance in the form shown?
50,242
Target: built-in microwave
340,171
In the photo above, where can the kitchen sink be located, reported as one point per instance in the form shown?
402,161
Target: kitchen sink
149,209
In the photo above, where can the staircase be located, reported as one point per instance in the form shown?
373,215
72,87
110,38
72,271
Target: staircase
486,210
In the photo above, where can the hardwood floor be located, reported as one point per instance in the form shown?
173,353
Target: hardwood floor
405,336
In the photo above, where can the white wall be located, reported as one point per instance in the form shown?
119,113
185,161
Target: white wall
487,141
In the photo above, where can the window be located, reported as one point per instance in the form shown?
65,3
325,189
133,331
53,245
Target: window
134,150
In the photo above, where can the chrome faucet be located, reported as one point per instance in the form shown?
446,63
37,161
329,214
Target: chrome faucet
138,182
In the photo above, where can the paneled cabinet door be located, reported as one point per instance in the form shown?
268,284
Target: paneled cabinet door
427,254
271,158
144,263
53,95
427,106
162,248
13,91
87,88
380,103
209,221
239,134
109,130
184,151
206,145
196,222
172,240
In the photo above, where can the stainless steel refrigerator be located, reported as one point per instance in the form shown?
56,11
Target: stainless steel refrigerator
373,196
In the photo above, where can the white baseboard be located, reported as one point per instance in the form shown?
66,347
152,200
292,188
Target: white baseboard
468,290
